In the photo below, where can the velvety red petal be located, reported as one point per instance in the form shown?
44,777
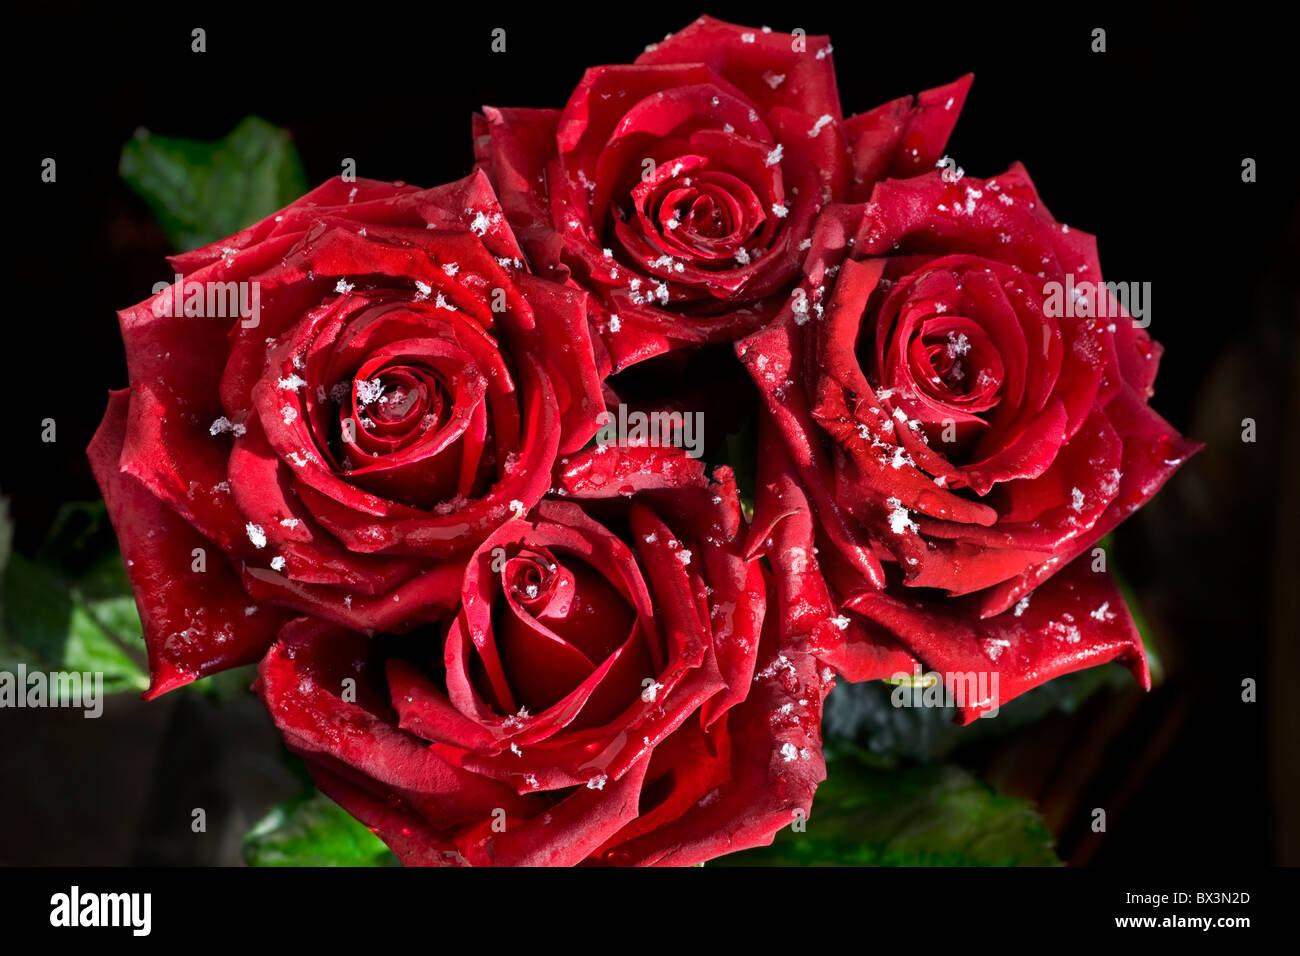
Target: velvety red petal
904,137
1077,619
195,623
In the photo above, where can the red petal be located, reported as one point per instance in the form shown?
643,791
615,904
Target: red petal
1078,619
195,623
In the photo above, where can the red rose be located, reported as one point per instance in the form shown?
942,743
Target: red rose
960,441
392,389
613,688
681,189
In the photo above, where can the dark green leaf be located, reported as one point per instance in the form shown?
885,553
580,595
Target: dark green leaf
313,831
201,192
935,815
47,625
863,713
71,608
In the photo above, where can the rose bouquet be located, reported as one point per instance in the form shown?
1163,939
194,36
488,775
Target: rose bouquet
505,620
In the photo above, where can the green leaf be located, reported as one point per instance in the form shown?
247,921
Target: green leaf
934,815
313,831
864,715
201,192
82,549
70,608
49,626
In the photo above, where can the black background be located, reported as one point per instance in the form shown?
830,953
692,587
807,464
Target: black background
1142,144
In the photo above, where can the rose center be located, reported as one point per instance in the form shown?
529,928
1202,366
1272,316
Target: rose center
556,622
953,361
692,212
531,578
397,402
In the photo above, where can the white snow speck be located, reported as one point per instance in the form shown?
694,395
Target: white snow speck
899,521
369,391
223,425
822,122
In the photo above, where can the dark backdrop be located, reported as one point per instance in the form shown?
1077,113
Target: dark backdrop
1141,144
